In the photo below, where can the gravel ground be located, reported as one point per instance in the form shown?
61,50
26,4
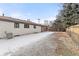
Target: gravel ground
45,47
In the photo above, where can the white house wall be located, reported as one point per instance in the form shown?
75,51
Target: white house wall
5,27
9,28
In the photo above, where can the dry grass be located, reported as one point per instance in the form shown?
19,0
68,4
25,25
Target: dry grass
66,46
63,50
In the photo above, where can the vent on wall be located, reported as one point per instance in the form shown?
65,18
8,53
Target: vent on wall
9,35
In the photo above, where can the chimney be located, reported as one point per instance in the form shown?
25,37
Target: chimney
38,20
3,14
45,22
28,19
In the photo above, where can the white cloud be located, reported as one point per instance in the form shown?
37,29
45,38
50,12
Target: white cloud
52,18
1,12
24,17
16,15
20,15
29,14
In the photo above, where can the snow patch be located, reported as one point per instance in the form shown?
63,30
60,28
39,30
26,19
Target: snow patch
11,45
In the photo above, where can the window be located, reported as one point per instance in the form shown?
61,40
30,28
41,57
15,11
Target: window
78,12
26,25
77,6
34,26
16,25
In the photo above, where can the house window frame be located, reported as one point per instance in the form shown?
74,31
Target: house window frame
34,26
16,25
26,25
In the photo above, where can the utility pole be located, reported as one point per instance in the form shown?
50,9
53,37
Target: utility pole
39,21
3,14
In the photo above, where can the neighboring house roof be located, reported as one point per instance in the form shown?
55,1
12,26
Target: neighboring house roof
10,19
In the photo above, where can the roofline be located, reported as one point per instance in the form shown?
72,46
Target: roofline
21,21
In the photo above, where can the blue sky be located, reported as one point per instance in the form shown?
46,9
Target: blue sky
33,11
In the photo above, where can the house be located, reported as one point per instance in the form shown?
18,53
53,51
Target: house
19,27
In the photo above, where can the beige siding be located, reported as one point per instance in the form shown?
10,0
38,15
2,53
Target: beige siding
9,27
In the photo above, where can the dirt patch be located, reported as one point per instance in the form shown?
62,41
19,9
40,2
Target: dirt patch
65,45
